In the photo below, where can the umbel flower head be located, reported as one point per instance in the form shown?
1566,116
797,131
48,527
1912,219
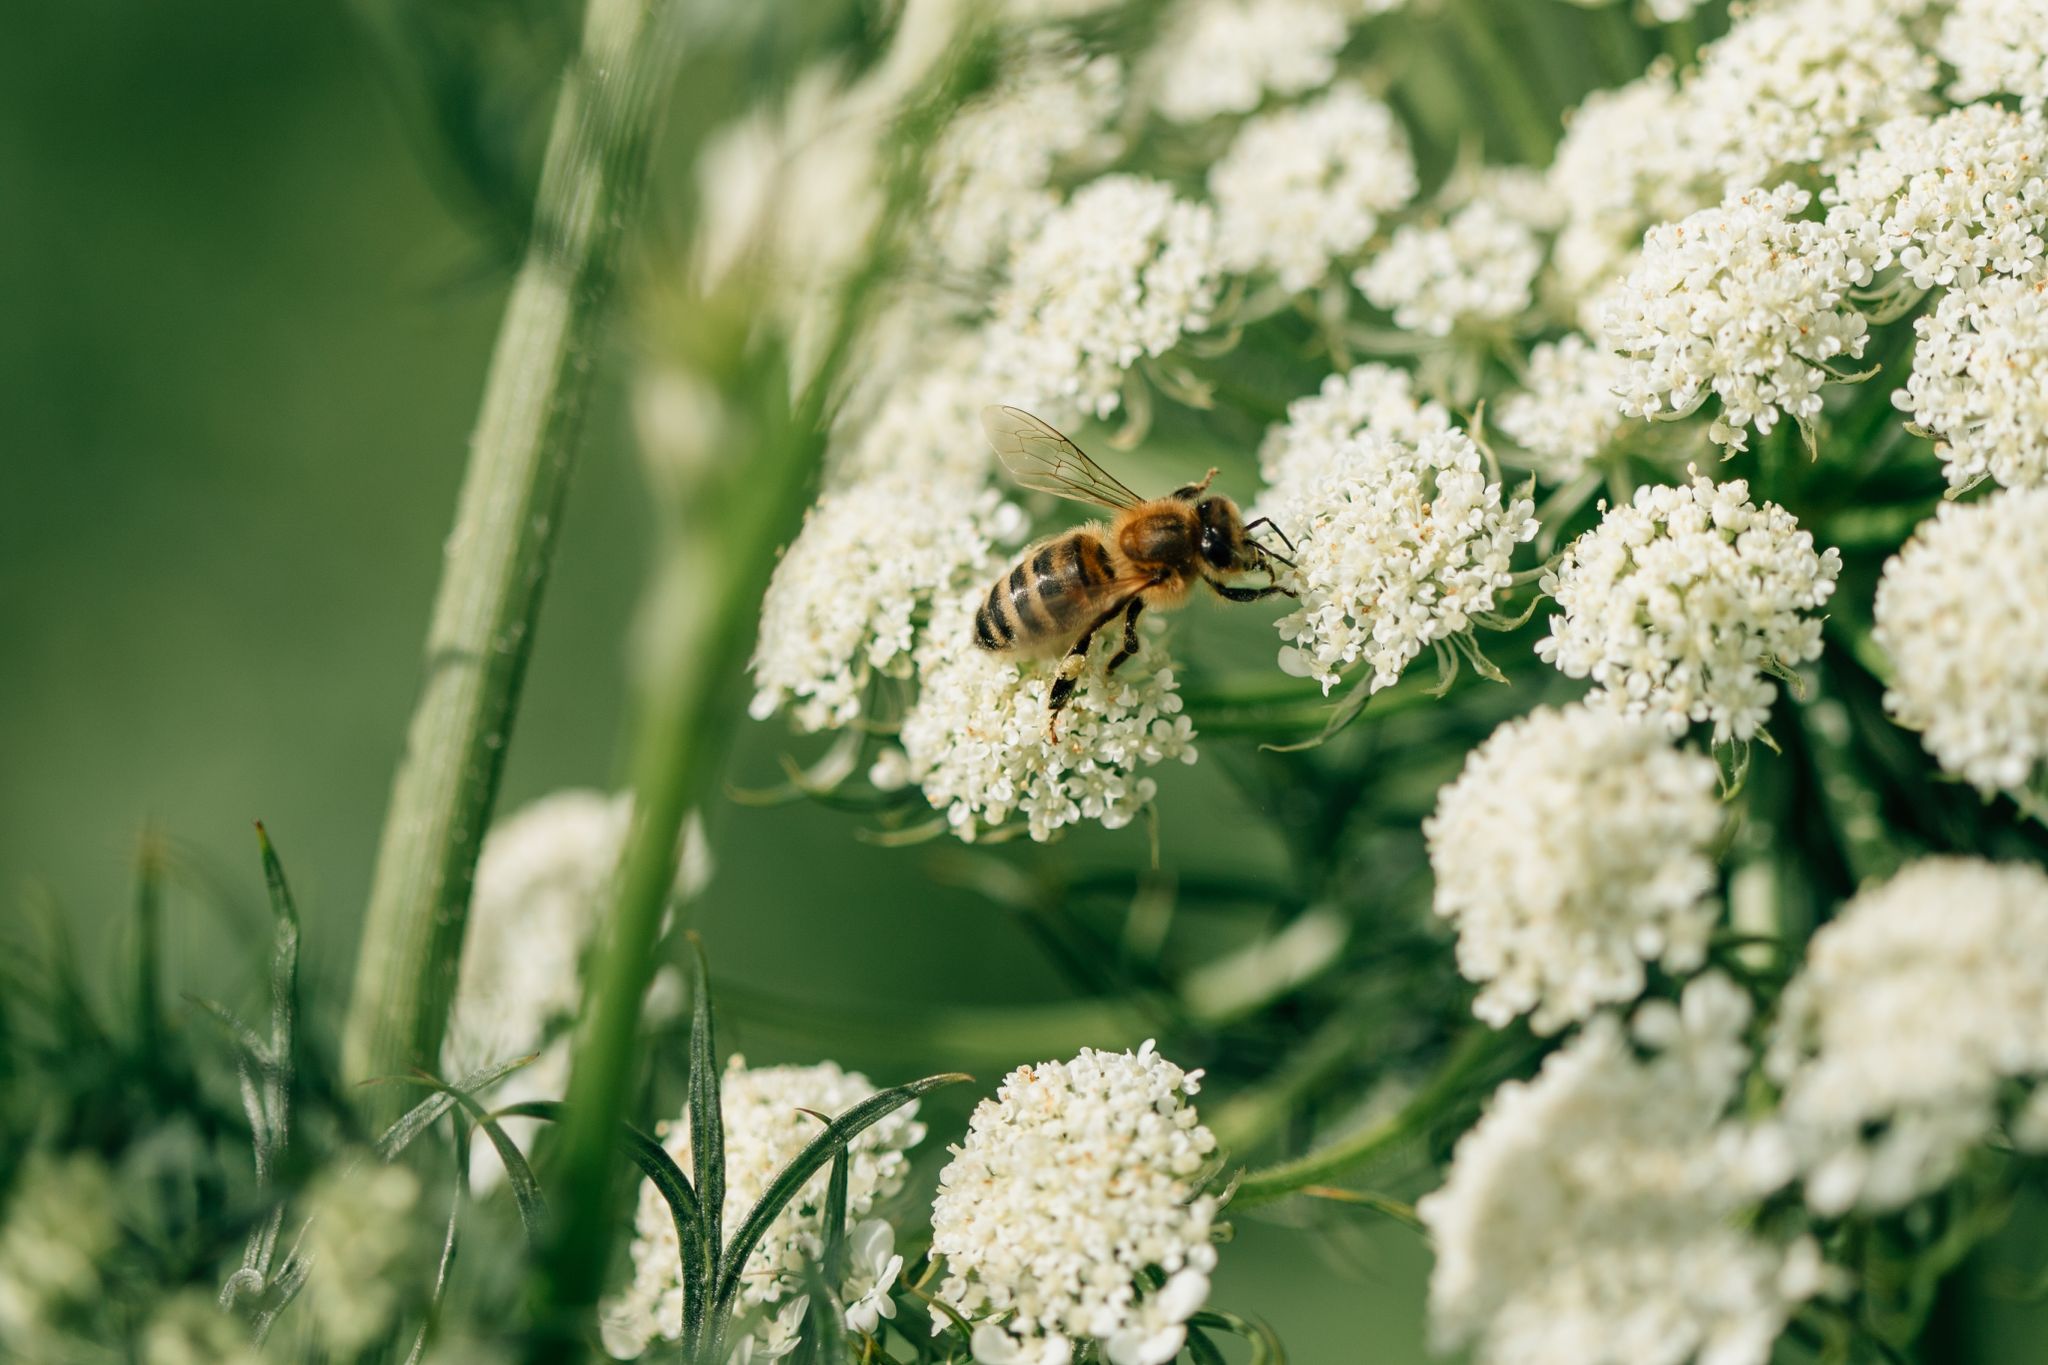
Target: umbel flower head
1398,545
1995,47
1977,381
976,741
1916,1005
362,1225
842,606
1123,270
1962,612
1570,411
1372,397
1224,56
1474,270
1303,187
1573,848
765,1126
1681,604
1746,302
1591,1216
1077,1180
1949,198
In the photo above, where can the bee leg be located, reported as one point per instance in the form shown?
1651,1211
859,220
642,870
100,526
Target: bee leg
1068,677
1130,646
1224,590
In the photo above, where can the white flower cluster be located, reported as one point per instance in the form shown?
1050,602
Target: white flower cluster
1977,381
1573,848
61,1224
1591,1215
1124,269
1074,1181
843,603
367,1262
1475,269
1570,411
925,420
190,1328
1225,56
1369,398
765,1126
991,167
1962,612
1948,198
1399,544
1802,83
976,741
1995,47
1746,302
1305,186
1679,604
1923,998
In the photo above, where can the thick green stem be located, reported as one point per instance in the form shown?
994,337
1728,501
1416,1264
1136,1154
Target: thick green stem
498,554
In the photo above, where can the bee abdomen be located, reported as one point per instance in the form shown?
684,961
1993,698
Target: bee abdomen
1046,597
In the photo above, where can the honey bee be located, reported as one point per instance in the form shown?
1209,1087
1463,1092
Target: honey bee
1152,553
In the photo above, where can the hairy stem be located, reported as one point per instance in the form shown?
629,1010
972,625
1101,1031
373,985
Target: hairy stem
498,554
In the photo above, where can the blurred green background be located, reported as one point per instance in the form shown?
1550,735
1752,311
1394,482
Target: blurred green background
245,321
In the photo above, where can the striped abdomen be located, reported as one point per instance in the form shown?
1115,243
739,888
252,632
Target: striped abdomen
1053,594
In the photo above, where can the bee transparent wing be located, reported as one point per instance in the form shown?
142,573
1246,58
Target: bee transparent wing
1039,457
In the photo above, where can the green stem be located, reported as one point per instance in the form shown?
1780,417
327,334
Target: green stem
1533,127
497,558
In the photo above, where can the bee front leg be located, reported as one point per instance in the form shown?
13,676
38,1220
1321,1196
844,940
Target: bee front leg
1130,646
1224,590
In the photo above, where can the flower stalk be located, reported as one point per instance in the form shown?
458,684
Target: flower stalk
498,555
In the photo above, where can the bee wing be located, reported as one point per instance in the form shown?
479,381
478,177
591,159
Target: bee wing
1039,457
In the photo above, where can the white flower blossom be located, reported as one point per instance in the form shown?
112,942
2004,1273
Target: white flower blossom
1996,48
1948,198
1570,411
843,604
1225,56
992,166
1680,604
1803,83
1962,612
1398,546
1123,270
975,740
765,1127
1073,1182
1916,1004
368,1260
1591,1216
1475,269
871,1277
1305,186
60,1222
920,419
1978,382
1369,398
1745,302
1573,848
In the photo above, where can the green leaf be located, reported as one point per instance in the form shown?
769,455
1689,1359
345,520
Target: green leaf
423,1115
835,1221
658,1166
533,1207
1202,1350
1265,1344
707,1122
805,1164
460,1136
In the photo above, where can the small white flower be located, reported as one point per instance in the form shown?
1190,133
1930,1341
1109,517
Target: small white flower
1915,1005
1977,382
1591,1216
992,167
765,1126
1302,187
1962,612
975,740
1995,47
1803,83
1123,270
1680,604
1572,849
1949,198
1570,410
843,605
1474,270
1398,546
1224,56
1745,302
871,1276
1074,1182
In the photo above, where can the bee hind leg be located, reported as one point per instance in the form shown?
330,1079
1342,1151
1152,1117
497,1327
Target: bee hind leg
1068,676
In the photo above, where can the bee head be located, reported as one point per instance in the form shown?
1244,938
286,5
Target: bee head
1223,541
